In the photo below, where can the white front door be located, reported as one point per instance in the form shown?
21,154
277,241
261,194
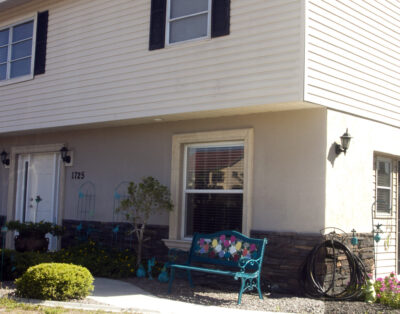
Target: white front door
38,189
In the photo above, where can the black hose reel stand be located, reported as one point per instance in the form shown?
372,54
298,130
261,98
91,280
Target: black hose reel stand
331,263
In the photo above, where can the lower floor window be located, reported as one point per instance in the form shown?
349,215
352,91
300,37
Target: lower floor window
213,187
209,213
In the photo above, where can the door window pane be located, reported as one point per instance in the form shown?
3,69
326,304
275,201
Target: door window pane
22,31
20,67
188,28
186,7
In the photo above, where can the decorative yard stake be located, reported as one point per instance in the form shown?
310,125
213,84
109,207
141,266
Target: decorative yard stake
140,273
150,263
163,276
377,232
354,239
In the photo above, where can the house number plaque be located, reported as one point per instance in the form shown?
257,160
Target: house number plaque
78,175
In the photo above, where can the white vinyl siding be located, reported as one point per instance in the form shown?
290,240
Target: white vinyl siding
352,59
106,72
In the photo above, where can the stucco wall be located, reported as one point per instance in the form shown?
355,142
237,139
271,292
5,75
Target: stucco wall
289,164
350,186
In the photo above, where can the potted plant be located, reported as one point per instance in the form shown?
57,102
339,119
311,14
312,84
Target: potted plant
32,235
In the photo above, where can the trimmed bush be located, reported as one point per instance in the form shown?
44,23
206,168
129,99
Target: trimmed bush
55,281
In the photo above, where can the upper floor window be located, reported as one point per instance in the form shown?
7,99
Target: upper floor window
173,21
188,20
23,48
16,50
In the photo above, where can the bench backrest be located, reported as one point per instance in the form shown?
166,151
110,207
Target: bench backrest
226,248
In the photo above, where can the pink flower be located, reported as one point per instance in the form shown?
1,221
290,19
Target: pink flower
233,239
379,279
222,237
201,241
252,247
378,295
382,289
226,243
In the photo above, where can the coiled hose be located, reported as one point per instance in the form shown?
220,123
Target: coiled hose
358,274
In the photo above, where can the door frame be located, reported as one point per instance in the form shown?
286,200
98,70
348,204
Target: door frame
13,176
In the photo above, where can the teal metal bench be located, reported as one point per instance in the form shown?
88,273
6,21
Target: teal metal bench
226,249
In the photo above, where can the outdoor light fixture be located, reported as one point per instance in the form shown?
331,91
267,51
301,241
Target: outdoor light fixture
64,155
4,160
345,143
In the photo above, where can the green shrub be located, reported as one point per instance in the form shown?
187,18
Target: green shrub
100,261
55,281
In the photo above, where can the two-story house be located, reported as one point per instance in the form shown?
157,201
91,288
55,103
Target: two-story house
237,106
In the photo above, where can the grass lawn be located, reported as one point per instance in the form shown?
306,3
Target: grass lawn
12,306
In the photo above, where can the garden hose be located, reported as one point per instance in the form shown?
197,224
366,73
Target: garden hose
358,275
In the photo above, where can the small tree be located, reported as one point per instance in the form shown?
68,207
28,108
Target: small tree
145,199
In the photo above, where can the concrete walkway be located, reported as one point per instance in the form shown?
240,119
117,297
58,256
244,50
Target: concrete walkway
125,296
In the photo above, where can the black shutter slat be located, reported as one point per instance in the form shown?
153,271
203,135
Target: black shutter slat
157,24
41,42
220,20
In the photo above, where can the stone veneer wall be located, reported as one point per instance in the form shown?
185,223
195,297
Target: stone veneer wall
102,233
286,255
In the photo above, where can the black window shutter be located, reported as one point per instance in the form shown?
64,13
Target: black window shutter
41,42
157,24
220,20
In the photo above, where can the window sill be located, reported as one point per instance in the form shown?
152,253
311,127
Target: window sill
16,80
178,244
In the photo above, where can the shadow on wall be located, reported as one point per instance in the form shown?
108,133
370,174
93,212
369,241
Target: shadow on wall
332,154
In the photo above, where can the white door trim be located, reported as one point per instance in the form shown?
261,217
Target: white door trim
13,175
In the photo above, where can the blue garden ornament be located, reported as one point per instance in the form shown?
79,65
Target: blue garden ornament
150,263
377,232
140,273
354,239
115,229
163,276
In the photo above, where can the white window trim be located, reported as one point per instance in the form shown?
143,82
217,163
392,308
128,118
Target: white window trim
168,20
186,191
380,213
30,76
246,136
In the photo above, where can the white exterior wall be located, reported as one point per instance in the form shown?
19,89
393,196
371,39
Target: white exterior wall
352,59
287,195
99,68
350,181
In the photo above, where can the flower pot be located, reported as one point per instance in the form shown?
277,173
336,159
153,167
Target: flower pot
32,243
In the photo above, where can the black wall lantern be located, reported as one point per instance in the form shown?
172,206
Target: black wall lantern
345,143
4,160
64,155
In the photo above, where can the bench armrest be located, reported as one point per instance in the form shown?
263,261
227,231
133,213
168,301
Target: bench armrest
175,254
244,263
